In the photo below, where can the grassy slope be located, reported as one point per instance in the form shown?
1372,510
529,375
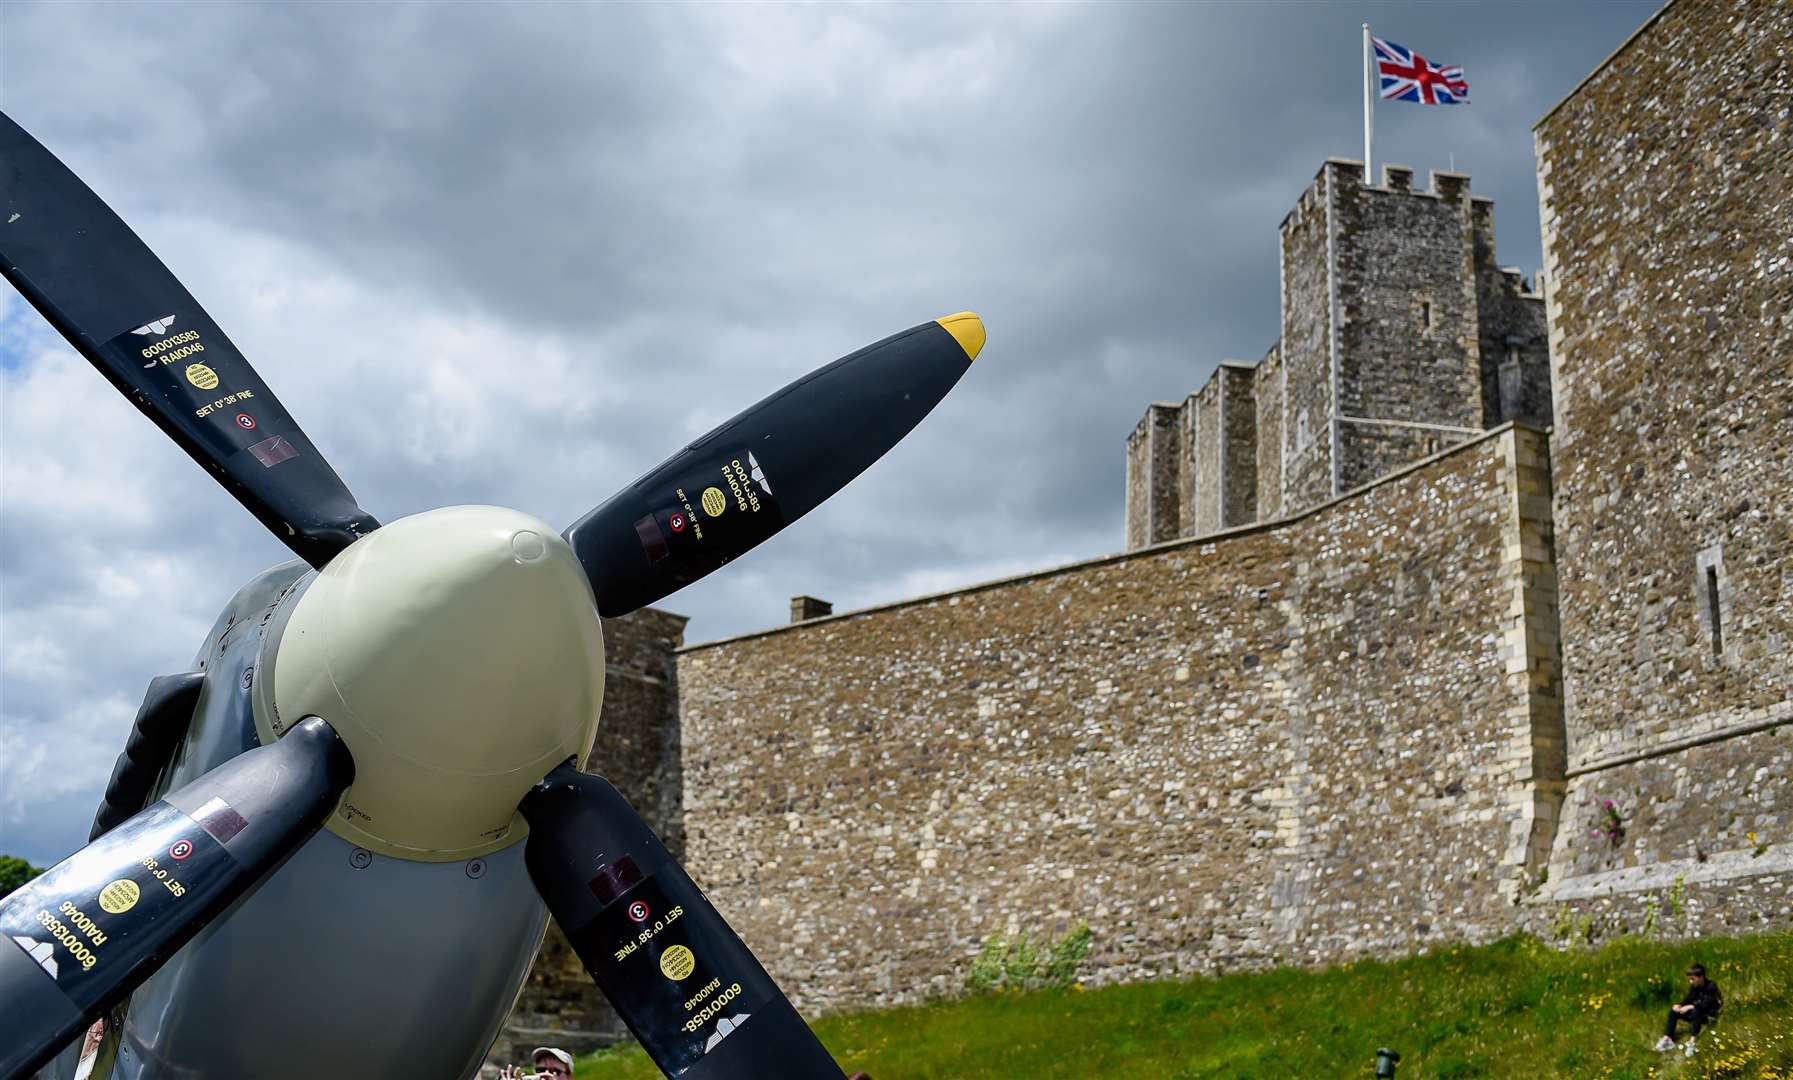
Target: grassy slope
1512,1009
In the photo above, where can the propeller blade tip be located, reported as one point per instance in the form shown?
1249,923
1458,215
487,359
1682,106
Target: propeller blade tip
967,329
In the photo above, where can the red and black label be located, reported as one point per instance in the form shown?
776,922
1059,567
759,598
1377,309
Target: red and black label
705,514
183,364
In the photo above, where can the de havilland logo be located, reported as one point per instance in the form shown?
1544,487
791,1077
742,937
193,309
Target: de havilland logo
40,951
156,326
759,475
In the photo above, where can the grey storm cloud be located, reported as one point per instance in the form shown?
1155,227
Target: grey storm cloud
519,253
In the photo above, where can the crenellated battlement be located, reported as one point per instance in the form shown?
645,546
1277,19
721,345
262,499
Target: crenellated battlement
1401,334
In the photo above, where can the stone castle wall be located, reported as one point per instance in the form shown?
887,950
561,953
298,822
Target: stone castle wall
1209,750
1666,191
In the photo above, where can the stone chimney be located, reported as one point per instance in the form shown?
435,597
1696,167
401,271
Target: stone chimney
805,608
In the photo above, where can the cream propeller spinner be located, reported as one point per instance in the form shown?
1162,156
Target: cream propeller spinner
458,653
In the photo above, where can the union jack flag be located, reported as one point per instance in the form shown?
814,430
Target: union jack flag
1408,76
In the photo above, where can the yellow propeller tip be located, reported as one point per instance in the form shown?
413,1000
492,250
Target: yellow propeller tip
967,329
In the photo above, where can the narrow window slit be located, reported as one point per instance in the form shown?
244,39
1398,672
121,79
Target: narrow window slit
1715,618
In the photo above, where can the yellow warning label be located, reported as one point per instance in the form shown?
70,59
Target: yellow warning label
120,896
714,503
201,376
677,963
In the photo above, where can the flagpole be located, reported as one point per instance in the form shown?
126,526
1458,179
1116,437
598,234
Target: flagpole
1367,107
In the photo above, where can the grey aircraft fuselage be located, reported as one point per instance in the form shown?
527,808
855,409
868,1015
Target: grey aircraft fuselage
344,964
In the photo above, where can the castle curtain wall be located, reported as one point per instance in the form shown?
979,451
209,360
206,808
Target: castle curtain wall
1297,742
1666,190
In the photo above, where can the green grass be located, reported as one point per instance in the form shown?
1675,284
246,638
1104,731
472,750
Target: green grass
1512,1009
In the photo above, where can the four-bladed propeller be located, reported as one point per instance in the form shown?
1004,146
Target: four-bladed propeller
102,921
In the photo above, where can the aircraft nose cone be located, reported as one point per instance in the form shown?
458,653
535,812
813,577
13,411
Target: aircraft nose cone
459,655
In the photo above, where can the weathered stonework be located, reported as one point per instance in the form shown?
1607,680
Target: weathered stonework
1309,349
1268,396
1154,479
1515,335
1189,478
1238,444
1666,195
1401,335
1204,411
1207,781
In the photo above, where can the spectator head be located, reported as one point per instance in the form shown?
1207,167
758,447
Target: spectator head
553,1061
860,1076
1696,974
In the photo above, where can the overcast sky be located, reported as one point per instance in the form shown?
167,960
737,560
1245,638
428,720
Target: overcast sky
518,254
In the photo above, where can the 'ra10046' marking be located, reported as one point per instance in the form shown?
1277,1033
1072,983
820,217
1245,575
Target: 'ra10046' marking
69,939
82,923
185,337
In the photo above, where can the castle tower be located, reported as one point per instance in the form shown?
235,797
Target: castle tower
1401,335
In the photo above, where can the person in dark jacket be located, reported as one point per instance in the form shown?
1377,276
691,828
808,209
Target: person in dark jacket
1699,1008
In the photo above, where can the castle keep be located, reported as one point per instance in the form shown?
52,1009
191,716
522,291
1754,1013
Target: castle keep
1403,605
1401,335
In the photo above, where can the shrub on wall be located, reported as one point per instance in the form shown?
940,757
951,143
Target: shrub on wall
1021,965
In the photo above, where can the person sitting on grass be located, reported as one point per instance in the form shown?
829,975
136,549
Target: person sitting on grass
1699,1008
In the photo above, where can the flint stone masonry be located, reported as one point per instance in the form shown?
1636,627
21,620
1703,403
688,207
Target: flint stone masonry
1666,197
1154,477
1308,349
1268,397
1207,750
1220,425
1401,335
1237,448
1203,410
